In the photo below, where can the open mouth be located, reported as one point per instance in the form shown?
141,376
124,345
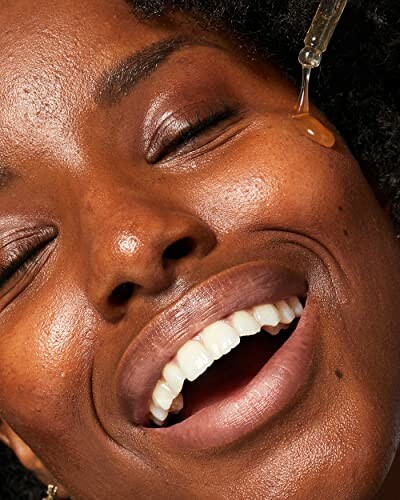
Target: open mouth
221,359
224,359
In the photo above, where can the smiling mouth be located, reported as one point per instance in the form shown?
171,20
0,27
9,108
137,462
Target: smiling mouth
223,360
243,342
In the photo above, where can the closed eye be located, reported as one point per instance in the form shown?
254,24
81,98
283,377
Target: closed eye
20,256
180,132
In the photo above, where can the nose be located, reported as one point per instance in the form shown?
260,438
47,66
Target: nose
145,251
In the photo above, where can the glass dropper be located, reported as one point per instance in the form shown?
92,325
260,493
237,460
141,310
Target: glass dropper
320,33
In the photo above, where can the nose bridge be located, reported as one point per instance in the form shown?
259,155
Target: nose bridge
136,240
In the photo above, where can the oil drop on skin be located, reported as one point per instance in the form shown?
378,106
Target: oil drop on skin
315,44
305,122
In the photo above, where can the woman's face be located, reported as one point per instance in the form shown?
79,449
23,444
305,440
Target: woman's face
139,161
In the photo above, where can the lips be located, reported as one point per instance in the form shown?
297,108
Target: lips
238,288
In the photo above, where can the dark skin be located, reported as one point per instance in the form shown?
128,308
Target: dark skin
91,186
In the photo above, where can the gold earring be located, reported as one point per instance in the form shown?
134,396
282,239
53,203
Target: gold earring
51,492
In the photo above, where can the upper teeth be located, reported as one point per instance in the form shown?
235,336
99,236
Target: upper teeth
216,340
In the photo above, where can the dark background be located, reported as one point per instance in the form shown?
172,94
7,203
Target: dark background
15,482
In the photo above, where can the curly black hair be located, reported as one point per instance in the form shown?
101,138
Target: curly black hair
16,483
357,86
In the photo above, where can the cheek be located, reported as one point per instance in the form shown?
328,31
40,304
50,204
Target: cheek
273,178
44,358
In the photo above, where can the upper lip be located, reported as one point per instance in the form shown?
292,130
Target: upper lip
237,288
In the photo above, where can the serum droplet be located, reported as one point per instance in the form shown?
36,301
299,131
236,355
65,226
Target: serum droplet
306,123
314,129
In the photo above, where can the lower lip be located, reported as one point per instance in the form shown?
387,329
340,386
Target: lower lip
269,393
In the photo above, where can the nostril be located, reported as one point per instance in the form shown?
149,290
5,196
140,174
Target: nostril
179,249
121,294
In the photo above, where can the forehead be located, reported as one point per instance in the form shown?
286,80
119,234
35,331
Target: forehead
67,38
69,20
50,60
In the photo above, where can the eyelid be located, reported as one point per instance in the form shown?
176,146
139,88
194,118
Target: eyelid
11,238
23,249
175,125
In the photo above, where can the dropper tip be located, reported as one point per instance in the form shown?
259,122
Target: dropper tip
310,57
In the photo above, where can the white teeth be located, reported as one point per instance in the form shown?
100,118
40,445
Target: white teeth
158,412
157,421
296,305
219,339
163,395
244,323
174,377
193,359
267,315
216,340
285,312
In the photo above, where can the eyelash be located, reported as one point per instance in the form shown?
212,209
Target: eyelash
16,266
21,258
194,128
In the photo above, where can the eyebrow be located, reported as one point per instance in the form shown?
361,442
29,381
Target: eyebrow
122,78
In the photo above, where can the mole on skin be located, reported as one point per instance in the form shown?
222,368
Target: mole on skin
339,374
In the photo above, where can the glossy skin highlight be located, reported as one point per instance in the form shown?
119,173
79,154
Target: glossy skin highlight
250,188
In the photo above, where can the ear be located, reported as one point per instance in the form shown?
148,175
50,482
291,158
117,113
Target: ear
27,457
